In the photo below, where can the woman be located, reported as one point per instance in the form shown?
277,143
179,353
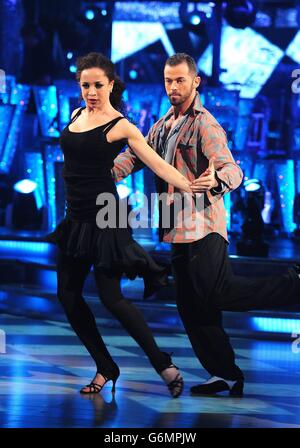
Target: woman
90,142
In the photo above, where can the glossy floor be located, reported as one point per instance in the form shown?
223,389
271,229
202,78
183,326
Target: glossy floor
44,365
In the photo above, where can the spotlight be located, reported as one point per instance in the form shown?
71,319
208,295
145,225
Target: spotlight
251,185
72,68
133,74
252,243
25,186
194,20
69,55
89,14
26,211
240,13
123,190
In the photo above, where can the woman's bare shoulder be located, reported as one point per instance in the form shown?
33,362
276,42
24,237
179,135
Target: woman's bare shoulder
75,112
126,126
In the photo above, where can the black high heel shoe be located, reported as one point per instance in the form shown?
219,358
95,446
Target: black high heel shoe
176,385
95,388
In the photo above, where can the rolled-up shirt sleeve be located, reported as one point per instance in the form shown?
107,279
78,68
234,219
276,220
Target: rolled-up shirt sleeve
214,144
126,163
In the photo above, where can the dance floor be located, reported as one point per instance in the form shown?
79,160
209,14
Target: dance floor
43,365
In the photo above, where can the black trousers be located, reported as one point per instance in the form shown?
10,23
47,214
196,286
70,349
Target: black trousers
71,275
206,286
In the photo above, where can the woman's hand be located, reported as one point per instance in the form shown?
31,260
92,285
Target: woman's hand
207,180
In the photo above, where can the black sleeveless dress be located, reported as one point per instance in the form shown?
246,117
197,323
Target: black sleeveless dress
88,160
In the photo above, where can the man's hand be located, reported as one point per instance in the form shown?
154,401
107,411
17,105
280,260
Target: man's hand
207,180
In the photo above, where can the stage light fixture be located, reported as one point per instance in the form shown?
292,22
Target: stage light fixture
252,243
26,211
133,74
252,185
89,14
194,20
240,13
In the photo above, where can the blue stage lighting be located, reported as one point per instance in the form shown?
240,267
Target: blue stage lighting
25,186
195,19
133,74
104,12
26,211
251,185
72,68
25,247
276,325
123,191
69,55
89,14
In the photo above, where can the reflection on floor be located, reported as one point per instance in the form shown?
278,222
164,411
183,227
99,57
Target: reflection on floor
43,365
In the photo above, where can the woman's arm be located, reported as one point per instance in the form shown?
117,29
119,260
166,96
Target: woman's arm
146,154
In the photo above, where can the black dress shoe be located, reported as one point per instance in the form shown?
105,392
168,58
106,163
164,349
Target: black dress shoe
219,386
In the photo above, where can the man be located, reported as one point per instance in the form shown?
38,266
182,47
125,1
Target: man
189,138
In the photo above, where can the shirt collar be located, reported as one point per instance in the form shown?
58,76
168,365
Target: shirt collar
195,108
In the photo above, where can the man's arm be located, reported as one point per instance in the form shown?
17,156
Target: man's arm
228,173
126,163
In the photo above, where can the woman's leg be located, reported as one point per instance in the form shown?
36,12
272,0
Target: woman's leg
134,322
71,274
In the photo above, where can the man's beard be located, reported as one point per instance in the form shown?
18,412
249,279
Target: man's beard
178,100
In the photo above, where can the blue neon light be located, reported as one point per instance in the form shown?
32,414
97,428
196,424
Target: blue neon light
53,155
276,325
47,108
34,163
29,247
286,186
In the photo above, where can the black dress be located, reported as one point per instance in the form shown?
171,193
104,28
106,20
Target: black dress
88,160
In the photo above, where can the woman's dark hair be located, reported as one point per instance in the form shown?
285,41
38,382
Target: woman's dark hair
98,60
